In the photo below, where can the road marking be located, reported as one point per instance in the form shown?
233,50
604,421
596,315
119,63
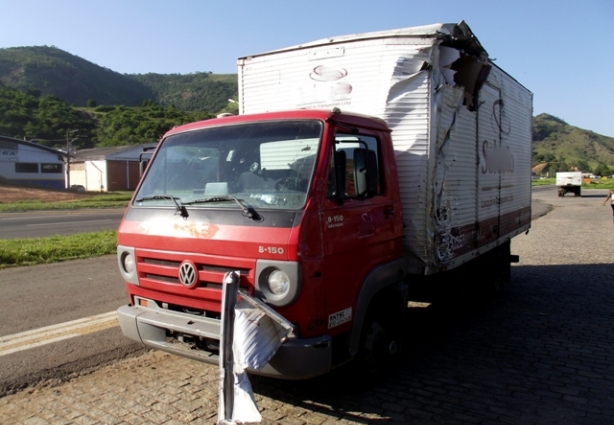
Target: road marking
35,338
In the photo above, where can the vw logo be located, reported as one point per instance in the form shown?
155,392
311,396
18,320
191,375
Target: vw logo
187,274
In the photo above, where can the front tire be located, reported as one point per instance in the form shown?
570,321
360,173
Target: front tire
382,337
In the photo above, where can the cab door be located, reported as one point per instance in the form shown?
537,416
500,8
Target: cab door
360,223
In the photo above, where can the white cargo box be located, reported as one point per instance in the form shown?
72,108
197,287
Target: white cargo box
569,178
461,127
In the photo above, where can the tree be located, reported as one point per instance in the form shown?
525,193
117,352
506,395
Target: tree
582,166
537,157
559,166
134,126
47,118
549,157
602,170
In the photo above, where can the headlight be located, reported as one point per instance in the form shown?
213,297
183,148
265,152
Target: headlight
126,261
278,282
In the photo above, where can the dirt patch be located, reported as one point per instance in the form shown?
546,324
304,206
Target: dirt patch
10,194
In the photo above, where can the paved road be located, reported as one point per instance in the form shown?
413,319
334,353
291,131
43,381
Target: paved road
40,296
541,353
35,224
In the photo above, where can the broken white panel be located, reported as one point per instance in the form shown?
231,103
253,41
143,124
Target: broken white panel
257,335
447,56
244,409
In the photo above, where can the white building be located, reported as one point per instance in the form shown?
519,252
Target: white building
107,169
28,163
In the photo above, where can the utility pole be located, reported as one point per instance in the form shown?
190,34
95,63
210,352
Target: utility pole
70,138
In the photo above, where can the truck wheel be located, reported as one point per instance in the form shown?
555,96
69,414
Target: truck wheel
505,263
495,285
381,340
493,271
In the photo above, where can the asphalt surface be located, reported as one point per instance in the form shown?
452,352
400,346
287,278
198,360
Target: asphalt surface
540,353
43,295
35,224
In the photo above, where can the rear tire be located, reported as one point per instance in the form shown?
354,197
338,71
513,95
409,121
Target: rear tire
494,271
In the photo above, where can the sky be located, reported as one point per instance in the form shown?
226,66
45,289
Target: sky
561,50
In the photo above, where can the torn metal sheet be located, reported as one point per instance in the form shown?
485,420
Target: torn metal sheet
236,398
447,56
251,334
244,409
259,304
257,334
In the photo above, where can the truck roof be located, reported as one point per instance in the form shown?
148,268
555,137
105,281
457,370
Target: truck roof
318,114
457,35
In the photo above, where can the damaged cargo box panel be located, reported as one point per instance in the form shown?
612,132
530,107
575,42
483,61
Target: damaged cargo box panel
449,108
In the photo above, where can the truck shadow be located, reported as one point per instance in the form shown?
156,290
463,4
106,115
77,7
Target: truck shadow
486,358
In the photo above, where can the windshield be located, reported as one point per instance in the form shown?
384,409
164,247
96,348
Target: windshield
259,165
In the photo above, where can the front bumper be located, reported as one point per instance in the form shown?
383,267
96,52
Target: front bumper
295,359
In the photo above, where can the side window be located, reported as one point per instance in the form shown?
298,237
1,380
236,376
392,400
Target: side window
26,167
51,168
355,168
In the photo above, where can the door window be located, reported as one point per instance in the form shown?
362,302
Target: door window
350,149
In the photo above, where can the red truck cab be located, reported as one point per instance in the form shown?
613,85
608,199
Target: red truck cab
303,204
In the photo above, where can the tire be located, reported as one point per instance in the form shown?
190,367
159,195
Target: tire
381,338
492,272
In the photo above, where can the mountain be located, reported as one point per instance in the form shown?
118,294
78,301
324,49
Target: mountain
51,71
50,74
44,70
564,147
201,91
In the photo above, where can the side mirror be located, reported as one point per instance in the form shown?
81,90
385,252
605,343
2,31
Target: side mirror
142,167
143,162
365,172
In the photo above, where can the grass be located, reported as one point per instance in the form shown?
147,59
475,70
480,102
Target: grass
599,184
31,251
542,182
110,200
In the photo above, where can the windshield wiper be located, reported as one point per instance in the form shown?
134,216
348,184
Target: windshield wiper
183,212
248,211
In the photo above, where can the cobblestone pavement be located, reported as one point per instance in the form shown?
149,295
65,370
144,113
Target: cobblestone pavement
540,353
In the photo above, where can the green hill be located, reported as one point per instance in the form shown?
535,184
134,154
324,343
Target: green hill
51,71
200,91
46,119
564,147
38,85
44,71
49,121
